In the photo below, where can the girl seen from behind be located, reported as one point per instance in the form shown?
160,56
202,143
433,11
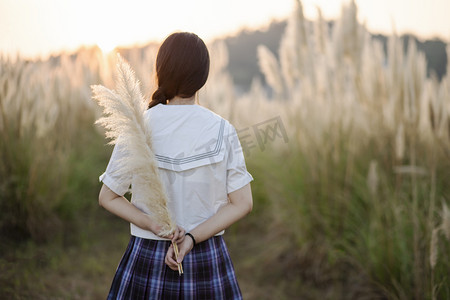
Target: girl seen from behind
202,167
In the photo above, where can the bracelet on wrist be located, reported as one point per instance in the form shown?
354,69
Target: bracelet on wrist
192,237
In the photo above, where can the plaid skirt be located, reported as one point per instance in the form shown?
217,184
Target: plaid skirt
143,274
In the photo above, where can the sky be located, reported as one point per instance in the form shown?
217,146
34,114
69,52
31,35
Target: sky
36,28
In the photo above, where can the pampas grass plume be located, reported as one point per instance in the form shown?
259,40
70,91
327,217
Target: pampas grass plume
124,123
446,221
434,247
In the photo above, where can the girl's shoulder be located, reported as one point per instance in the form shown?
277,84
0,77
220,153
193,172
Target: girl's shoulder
188,114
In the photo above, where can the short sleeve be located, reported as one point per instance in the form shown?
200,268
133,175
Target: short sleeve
237,174
118,182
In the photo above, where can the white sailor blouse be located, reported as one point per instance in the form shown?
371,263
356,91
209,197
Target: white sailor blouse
200,162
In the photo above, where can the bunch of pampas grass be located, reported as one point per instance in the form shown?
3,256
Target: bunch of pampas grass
123,120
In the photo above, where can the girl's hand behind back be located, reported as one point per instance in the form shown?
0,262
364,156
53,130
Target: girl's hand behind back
183,249
178,235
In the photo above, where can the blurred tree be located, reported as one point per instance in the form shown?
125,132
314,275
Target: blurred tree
243,62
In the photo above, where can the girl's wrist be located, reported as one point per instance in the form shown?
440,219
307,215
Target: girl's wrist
190,244
192,238
148,224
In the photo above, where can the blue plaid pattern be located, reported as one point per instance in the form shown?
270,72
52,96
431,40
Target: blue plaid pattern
142,273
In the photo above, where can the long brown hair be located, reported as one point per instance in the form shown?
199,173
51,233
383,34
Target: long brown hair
182,67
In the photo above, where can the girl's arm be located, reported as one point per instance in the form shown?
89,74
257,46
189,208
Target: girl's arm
122,208
240,204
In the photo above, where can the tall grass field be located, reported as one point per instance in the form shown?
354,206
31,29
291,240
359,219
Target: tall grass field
348,142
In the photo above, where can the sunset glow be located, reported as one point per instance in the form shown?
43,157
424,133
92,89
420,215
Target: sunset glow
34,27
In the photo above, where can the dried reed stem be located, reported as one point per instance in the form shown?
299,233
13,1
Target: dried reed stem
180,266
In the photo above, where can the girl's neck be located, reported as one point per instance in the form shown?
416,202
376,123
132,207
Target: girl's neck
182,101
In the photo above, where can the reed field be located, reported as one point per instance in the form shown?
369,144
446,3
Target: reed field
348,143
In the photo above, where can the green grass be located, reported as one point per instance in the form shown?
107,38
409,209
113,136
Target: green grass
316,231
81,267
325,219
